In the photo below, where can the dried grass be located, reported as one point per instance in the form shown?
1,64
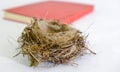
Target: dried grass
51,41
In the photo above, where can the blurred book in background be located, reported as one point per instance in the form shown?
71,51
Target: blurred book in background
66,12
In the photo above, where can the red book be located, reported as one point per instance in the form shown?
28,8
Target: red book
64,11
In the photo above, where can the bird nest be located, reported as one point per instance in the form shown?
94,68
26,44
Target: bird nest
51,41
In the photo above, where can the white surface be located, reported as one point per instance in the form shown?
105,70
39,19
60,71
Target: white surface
104,39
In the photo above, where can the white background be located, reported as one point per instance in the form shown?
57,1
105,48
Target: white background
104,39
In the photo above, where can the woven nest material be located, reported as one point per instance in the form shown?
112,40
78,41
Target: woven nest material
51,41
